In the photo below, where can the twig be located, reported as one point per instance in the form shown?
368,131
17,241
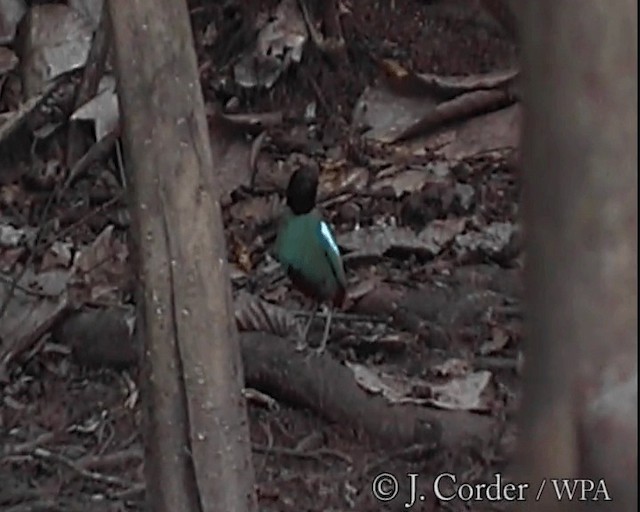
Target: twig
53,197
48,505
497,363
111,459
95,153
327,45
83,220
23,113
131,492
465,105
321,99
36,293
256,145
343,317
312,454
48,456
28,446
269,434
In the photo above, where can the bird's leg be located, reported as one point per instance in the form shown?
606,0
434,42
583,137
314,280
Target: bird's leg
302,341
325,336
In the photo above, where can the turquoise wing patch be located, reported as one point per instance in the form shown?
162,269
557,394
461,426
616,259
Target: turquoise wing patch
328,240
331,249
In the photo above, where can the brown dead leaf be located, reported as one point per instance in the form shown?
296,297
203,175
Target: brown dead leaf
377,240
499,339
495,131
337,178
50,283
240,254
31,310
13,195
255,314
439,233
57,39
384,114
403,182
409,104
59,255
14,237
468,393
375,382
275,175
102,109
256,210
10,257
458,108
362,288
279,43
395,389
408,83
400,80
454,367
496,241
101,271
450,86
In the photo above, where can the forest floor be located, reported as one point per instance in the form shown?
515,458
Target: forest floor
429,224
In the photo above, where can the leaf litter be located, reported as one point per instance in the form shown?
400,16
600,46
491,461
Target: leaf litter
407,214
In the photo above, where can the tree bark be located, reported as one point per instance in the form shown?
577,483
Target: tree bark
581,160
197,449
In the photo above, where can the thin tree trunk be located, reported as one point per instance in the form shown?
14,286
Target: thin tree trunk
581,160
197,451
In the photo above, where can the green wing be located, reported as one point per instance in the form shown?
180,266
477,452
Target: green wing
306,244
331,250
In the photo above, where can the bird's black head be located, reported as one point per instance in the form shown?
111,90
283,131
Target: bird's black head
302,190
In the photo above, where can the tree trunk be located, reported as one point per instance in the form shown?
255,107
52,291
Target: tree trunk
197,449
581,162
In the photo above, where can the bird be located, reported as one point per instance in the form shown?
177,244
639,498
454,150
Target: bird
307,250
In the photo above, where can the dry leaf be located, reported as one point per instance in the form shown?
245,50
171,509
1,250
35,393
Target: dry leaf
462,393
100,271
403,182
279,43
59,255
495,131
11,237
256,210
30,315
494,241
499,339
255,314
57,40
379,383
377,240
11,12
453,367
102,109
386,114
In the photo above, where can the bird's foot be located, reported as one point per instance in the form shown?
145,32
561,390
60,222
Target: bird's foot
325,335
302,345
